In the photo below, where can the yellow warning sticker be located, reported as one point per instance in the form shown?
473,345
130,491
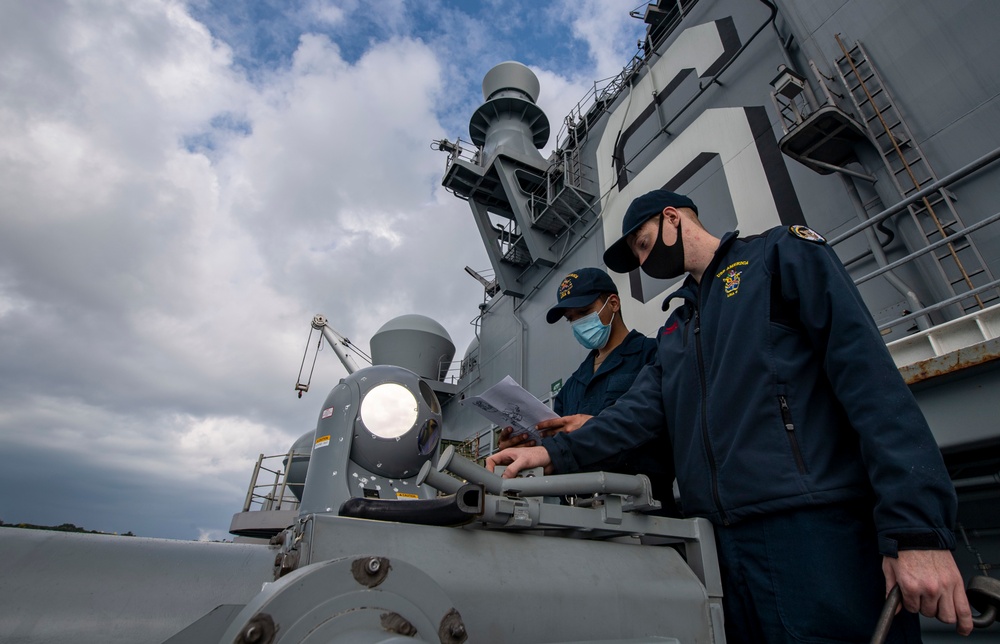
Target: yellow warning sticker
404,495
322,441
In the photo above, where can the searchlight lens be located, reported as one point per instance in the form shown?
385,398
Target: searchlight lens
389,410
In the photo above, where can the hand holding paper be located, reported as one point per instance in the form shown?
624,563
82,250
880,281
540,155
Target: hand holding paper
508,404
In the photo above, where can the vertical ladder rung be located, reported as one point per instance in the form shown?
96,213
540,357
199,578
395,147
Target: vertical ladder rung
874,94
961,280
915,163
920,182
886,140
875,117
934,231
901,141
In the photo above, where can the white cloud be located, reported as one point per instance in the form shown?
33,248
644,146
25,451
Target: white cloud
209,534
119,266
226,444
610,32
329,14
155,299
558,97
168,228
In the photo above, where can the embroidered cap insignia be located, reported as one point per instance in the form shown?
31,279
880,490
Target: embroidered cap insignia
567,286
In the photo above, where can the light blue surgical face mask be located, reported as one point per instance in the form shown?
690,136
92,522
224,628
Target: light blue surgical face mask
590,332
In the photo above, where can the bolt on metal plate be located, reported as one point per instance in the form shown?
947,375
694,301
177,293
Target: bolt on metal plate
370,571
259,630
396,623
452,630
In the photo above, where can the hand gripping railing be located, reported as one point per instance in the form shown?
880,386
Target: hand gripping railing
983,593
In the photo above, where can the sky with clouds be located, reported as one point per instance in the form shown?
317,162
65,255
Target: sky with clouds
183,185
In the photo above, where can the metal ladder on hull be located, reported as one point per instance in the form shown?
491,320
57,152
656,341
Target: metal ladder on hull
959,263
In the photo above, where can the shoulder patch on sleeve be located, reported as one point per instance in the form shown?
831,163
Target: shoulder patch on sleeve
807,233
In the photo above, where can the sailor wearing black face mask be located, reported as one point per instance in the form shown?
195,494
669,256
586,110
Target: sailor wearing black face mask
792,431
653,238
587,298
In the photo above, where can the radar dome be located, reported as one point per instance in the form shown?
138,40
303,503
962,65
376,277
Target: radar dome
296,470
511,77
471,358
414,342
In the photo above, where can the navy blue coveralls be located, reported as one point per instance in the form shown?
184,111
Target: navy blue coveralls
589,392
793,432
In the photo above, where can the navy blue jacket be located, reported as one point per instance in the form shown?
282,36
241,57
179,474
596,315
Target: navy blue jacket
589,392
777,392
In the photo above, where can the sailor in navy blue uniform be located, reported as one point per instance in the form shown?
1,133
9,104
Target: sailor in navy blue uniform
588,299
792,431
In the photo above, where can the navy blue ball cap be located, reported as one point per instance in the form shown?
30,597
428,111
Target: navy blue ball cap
618,257
578,289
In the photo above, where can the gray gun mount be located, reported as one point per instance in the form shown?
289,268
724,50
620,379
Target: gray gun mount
616,575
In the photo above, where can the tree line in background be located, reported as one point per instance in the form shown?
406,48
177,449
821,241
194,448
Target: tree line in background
65,527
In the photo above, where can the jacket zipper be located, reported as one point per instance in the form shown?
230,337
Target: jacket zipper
704,418
786,417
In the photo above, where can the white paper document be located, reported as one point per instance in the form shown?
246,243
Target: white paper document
507,404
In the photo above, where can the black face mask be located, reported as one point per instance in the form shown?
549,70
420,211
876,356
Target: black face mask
665,262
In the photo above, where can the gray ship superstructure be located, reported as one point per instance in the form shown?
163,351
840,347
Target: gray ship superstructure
875,123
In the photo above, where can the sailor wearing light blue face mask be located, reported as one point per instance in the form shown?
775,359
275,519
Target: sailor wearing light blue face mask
588,299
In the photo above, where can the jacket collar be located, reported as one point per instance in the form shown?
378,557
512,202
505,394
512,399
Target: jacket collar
633,343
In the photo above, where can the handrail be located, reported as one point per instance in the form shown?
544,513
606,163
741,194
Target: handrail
940,305
926,249
614,85
943,182
936,186
277,498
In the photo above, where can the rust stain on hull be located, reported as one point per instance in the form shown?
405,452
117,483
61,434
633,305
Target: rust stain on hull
951,362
